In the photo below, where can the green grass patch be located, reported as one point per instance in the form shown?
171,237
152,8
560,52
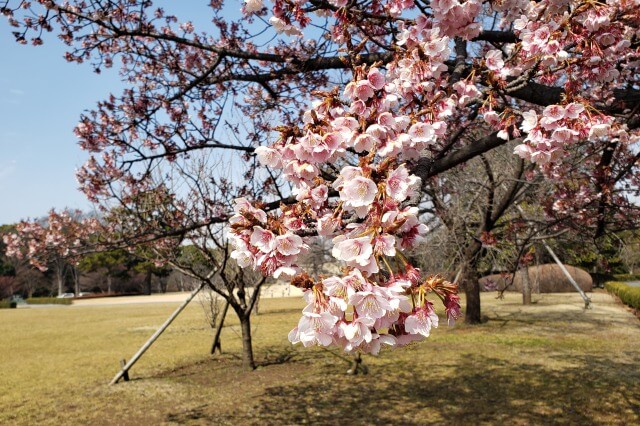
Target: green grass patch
49,301
629,295
548,363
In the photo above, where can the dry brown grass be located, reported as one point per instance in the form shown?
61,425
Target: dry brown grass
551,362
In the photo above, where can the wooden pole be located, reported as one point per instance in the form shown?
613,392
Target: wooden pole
155,336
587,301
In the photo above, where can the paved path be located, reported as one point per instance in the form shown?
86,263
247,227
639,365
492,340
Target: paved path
275,290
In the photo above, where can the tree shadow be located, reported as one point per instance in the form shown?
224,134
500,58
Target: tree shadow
480,390
277,356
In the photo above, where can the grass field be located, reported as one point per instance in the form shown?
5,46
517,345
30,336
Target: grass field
551,362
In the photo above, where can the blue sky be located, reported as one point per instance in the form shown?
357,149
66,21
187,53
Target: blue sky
41,99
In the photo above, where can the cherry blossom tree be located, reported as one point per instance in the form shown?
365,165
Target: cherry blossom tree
351,108
51,243
203,252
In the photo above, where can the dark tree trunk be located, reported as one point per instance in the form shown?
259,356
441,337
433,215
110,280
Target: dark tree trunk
148,283
247,348
216,339
257,302
526,286
472,292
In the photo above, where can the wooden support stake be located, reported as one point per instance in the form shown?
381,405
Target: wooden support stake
155,336
587,301
125,376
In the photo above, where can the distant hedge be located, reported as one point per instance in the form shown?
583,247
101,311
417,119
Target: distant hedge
5,304
48,301
628,295
627,277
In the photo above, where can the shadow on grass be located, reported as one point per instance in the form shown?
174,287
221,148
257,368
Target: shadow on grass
472,389
546,318
277,356
480,390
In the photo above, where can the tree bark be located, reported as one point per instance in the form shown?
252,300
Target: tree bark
148,283
216,339
256,303
60,279
247,349
526,286
472,292
76,280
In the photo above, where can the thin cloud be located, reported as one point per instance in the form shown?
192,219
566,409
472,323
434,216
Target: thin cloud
11,101
16,92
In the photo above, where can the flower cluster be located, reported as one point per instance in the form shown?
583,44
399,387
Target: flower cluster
380,298
355,313
274,252
61,235
548,39
457,18
557,127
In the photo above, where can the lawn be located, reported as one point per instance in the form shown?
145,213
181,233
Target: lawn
551,362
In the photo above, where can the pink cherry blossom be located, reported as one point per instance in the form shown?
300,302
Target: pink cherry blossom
554,113
422,133
494,60
314,328
263,239
385,244
244,258
358,250
421,321
358,331
400,184
252,6
376,79
358,192
269,156
371,304
288,244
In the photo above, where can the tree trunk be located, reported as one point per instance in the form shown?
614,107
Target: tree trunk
60,281
526,286
108,284
76,280
247,348
257,302
216,339
472,293
148,283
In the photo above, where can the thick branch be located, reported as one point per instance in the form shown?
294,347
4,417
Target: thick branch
426,168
